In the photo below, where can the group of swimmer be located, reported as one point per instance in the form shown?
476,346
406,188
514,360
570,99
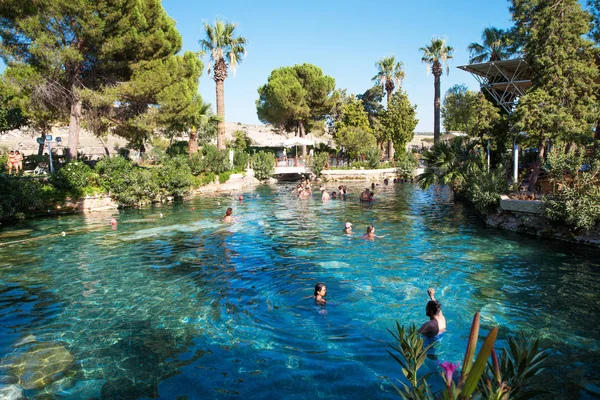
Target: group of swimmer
15,161
304,191
369,235
433,309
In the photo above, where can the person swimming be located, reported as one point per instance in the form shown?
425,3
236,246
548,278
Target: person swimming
228,215
348,228
365,196
370,235
437,321
320,293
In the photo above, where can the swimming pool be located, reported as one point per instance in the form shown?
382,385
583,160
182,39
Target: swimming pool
174,303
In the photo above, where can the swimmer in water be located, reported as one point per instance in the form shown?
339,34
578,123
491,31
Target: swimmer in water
320,293
227,217
365,196
370,235
437,322
348,228
113,223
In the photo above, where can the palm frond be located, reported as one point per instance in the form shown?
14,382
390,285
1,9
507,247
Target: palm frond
222,44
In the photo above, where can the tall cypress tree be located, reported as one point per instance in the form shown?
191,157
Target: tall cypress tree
561,103
82,45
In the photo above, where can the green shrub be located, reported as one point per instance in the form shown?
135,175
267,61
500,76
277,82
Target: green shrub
73,177
20,195
359,164
240,159
140,187
179,148
3,163
263,164
113,172
206,179
575,198
373,158
215,160
128,184
319,161
196,164
175,177
125,153
224,176
405,164
241,140
483,189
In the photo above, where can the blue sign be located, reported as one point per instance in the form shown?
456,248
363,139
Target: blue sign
48,137
40,140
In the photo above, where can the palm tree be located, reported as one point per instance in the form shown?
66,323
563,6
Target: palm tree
436,54
497,44
448,163
226,50
390,73
201,117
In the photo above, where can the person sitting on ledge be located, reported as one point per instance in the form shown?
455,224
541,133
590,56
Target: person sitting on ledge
437,322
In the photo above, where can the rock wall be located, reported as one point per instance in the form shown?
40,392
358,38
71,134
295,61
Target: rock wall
538,225
91,204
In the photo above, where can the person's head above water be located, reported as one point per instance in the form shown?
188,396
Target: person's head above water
320,289
370,229
229,212
348,225
433,308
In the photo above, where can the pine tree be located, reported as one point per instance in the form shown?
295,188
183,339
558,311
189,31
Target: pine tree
561,103
81,45
399,120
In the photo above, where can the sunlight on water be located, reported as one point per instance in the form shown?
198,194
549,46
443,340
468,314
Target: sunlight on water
184,305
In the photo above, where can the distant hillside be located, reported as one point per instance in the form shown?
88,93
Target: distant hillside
261,135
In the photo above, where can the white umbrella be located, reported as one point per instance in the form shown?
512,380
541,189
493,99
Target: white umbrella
297,141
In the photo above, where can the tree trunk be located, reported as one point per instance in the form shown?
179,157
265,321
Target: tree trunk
193,142
302,134
104,145
74,126
535,173
436,108
41,145
390,143
221,113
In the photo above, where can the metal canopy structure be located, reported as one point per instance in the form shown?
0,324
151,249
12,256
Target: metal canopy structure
505,80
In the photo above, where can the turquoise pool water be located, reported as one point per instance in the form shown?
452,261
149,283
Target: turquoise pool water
174,303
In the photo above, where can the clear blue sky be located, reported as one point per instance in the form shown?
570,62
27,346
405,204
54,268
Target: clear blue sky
343,37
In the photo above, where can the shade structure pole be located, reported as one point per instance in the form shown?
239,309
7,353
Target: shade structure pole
515,162
488,156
